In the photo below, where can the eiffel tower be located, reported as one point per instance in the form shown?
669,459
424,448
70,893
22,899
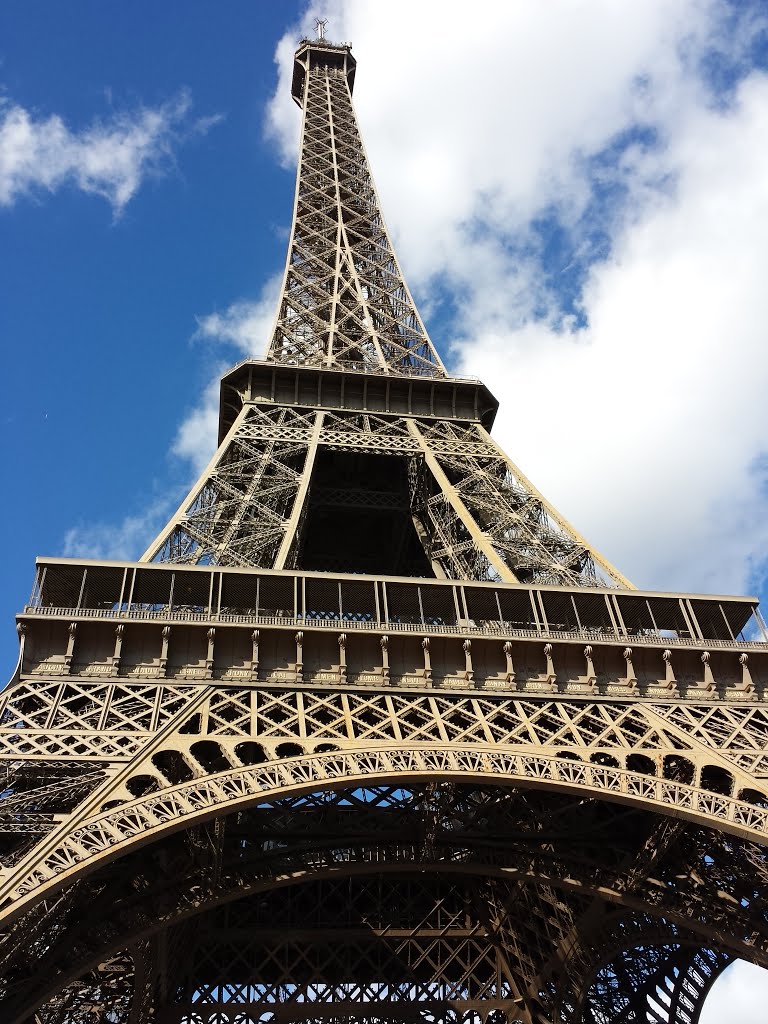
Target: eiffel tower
370,733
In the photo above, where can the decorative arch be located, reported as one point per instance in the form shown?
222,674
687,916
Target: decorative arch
548,871
112,832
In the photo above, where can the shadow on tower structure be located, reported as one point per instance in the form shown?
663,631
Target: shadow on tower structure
370,732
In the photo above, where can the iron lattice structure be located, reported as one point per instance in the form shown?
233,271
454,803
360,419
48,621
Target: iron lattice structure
351,371
371,733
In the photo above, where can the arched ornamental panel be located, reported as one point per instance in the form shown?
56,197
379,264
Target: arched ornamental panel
550,843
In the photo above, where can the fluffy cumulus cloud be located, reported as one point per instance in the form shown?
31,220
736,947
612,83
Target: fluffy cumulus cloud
110,158
124,540
740,995
577,194
195,440
648,422
244,325
243,331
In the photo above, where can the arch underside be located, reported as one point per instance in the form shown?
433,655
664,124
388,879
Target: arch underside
406,900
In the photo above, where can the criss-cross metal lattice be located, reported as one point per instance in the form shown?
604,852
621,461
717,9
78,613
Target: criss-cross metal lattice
345,308
478,516
344,300
371,733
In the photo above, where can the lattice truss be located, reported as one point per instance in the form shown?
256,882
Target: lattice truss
344,300
436,902
525,891
487,521
476,514
345,305
239,510
57,739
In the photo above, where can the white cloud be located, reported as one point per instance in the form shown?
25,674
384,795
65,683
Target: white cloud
643,420
486,119
124,540
740,995
111,158
195,440
246,326
648,425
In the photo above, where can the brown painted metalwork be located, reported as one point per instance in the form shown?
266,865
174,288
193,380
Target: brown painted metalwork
371,733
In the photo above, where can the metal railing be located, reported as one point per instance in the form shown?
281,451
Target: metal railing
487,628
406,371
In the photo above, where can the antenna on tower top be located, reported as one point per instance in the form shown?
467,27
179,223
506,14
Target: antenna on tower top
320,26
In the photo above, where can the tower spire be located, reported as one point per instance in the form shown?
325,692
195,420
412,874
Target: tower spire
344,299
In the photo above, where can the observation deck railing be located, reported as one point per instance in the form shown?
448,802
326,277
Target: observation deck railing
66,588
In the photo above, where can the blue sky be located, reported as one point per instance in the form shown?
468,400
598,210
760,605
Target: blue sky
99,303
578,197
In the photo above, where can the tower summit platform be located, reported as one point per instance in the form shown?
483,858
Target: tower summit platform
320,53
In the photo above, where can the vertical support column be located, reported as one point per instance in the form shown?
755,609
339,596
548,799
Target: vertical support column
709,679
427,659
166,635
481,540
469,673
299,501
614,612
510,667
684,612
21,631
255,654
71,634
384,641
747,684
343,657
299,657
82,589
551,676
210,593
631,678
211,637
591,675
118,651
122,589
694,621
36,597
760,621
